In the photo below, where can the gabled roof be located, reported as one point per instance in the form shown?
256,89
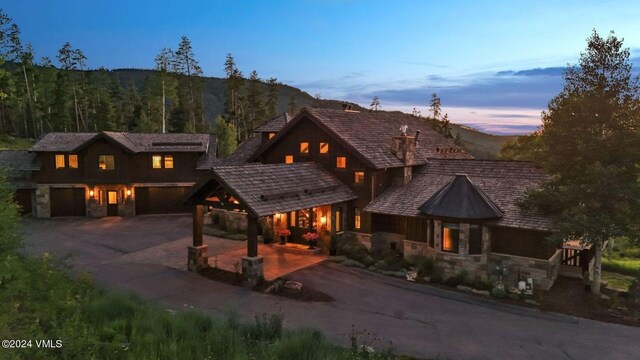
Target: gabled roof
369,134
130,142
461,199
267,189
275,124
503,182
19,165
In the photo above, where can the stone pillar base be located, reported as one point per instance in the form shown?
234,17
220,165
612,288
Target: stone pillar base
197,258
252,270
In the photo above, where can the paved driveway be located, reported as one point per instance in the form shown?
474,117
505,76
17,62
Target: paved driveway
420,320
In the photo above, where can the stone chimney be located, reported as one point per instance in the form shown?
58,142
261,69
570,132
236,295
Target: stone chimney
404,148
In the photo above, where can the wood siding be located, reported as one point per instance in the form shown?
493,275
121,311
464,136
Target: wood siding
129,168
529,243
307,131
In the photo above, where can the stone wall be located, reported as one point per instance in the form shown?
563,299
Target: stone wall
43,208
382,241
543,272
233,221
415,248
363,238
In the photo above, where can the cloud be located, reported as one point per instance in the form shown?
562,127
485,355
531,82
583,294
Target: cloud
550,71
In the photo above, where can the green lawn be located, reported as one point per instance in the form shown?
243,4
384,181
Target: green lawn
11,143
38,301
617,281
622,266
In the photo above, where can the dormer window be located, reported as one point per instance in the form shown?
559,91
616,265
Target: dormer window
60,162
324,148
341,162
288,159
271,135
304,147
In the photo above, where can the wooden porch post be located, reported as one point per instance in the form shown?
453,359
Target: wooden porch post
197,225
197,258
252,235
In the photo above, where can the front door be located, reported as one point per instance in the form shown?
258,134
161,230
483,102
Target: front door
112,203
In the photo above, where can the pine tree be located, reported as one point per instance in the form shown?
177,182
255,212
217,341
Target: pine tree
145,125
233,83
375,104
226,133
292,106
163,63
190,88
434,107
272,98
256,113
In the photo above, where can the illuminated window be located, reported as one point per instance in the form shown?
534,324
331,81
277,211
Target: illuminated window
358,177
100,198
288,159
156,161
73,161
106,162
338,219
168,161
324,148
304,147
341,162
450,237
357,217
304,218
60,164
271,135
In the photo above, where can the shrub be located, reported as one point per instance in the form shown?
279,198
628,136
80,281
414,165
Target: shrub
349,246
424,265
353,263
482,284
498,292
458,279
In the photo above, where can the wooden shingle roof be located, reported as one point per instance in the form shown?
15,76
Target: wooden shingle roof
267,189
131,142
275,124
369,134
503,182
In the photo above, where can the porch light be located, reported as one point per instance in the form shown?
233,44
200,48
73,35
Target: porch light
323,220
129,192
91,193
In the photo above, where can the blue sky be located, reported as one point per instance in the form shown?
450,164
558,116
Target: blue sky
495,64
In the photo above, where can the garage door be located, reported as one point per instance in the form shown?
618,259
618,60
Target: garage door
68,202
161,200
22,197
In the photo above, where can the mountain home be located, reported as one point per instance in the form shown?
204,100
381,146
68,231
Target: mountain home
109,173
393,182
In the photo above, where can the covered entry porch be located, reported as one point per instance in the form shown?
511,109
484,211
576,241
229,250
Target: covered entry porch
264,192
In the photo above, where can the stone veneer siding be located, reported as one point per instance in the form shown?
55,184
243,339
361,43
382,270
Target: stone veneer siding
543,272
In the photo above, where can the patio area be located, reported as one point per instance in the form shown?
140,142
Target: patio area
278,260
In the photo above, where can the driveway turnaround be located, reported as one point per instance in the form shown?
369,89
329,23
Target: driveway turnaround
419,320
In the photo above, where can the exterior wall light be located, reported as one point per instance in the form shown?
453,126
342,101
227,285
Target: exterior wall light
91,193
129,192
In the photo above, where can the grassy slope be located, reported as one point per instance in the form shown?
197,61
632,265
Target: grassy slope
479,144
11,143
